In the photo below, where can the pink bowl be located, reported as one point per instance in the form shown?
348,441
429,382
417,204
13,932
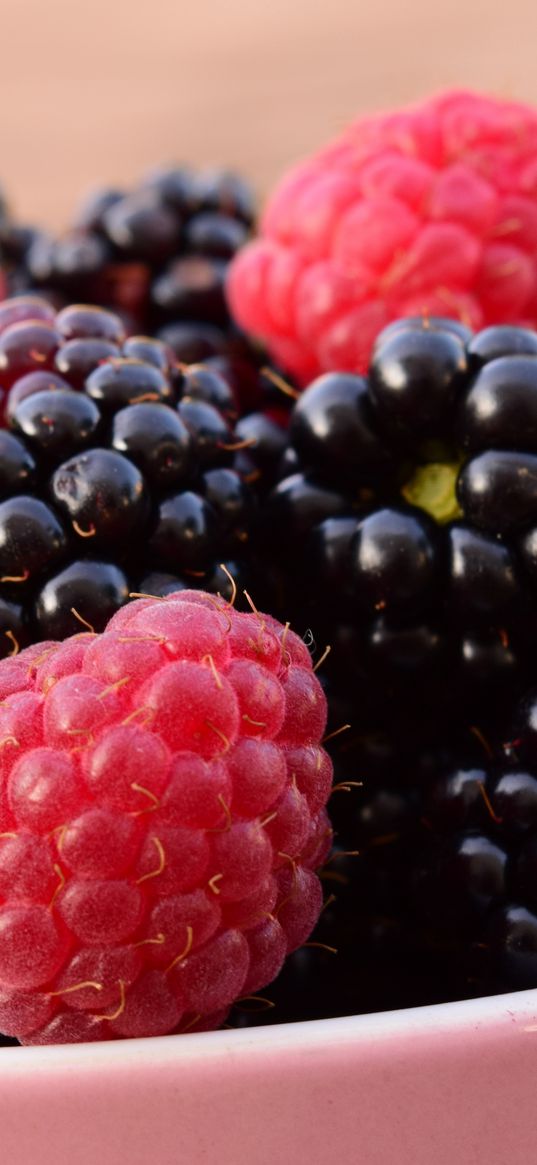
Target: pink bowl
450,1085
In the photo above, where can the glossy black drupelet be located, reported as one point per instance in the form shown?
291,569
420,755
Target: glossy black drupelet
110,481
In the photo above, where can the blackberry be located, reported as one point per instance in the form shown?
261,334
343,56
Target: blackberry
401,514
158,254
411,495
117,464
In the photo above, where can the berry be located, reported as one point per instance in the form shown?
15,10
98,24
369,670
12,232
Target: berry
427,209
403,533
119,467
156,254
408,516
165,865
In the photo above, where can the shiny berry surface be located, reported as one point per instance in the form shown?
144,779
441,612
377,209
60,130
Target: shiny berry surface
57,422
156,439
28,346
483,574
96,588
498,490
415,376
185,533
102,494
333,425
392,559
32,539
500,410
127,381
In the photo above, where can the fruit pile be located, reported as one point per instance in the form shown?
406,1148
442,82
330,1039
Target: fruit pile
163,785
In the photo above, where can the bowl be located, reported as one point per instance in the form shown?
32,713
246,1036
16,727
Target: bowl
453,1084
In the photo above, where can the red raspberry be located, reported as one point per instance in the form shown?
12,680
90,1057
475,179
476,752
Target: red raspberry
162,813
429,209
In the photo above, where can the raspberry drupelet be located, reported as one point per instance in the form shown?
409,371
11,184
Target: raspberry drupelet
163,796
431,208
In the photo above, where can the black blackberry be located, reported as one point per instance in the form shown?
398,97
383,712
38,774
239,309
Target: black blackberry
401,512
157,254
117,469
407,504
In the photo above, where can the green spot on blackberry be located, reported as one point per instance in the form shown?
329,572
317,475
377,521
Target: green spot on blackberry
432,488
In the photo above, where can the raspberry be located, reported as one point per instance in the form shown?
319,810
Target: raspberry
162,814
428,209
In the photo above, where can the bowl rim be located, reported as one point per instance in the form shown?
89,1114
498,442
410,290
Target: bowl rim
487,1015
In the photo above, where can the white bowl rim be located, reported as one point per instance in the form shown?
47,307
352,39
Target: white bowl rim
487,1014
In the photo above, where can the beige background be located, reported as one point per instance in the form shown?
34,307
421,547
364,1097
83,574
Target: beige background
96,92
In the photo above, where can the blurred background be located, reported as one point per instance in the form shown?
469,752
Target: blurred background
100,92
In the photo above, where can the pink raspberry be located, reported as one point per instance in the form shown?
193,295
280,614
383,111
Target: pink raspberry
428,209
163,799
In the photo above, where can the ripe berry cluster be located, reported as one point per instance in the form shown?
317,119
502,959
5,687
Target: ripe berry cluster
116,471
411,495
158,254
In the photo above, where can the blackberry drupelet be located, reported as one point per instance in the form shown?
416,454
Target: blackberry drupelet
116,465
